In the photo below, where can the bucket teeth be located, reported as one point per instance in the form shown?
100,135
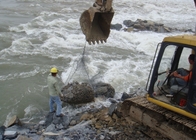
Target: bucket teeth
90,42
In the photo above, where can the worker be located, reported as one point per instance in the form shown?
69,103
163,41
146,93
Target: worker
181,77
54,92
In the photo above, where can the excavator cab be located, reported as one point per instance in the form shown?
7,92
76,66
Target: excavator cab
172,55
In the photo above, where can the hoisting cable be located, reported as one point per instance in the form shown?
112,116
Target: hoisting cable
77,66
83,54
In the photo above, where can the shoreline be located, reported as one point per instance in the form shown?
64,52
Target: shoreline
105,123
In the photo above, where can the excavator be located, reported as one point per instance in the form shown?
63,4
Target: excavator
173,116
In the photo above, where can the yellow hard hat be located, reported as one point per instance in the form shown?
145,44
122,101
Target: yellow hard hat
54,70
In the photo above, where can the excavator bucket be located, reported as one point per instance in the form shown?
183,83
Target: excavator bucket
95,22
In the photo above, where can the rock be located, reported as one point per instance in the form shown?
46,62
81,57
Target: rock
65,121
19,129
42,122
112,109
145,25
118,110
116,26
130,29
115,117
85,116
128,23
167,29
73,122
98,125
23,138
76,93
59,127
112,100
12,121
49,119
2,130
125,96
139,27
10,134
57,120
104,89
50,128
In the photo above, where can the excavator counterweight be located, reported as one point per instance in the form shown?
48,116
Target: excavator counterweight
95,22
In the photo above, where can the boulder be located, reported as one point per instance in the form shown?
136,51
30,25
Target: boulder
13,120
116,26
128,23
76,93
104,89
10,134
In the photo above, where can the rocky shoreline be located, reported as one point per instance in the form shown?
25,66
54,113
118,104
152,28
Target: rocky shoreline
94,124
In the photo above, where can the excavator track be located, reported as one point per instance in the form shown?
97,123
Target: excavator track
174,126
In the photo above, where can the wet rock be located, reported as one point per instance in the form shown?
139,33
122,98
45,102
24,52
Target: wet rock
19,129
65,121
125,96
10,134
50,128
118,110
13,120
59,127
73,122
57,120
128,23
104,89
76,93
49,119
112,100
2,130
139,27
148,25
112,109
116,26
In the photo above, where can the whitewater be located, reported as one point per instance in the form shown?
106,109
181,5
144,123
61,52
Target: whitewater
36,35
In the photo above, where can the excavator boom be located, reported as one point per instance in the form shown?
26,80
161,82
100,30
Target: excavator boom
95,22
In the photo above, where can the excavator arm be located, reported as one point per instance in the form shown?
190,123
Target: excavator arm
95,22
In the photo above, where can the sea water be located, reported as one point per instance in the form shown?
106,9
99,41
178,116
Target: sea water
36,35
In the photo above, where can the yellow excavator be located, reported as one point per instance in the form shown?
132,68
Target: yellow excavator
166,108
